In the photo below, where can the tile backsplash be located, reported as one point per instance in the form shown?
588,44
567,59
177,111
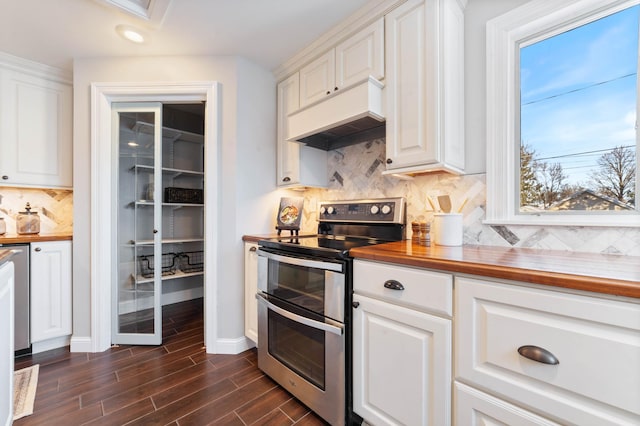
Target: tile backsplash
55,207
356,172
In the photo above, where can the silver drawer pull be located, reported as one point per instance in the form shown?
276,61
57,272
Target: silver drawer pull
393,285
538,354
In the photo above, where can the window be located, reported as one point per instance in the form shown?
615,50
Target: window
562,98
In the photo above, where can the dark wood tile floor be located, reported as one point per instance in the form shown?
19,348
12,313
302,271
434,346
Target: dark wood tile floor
173,384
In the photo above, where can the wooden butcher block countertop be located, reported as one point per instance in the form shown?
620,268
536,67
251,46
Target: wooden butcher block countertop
602,273
33,238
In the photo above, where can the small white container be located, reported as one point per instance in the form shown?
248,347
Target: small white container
447,229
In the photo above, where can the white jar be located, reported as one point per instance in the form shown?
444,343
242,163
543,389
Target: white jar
448,229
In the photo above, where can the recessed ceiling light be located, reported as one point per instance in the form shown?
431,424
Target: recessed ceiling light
132,34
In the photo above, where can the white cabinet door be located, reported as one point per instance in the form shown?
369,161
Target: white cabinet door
361,56
402,365
35,131
288,152
349,63
250,290
425,87
318,79
50,290
6,339
297,165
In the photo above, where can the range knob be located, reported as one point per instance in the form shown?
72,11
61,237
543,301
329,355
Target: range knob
322,210
386,209
331,210
374,209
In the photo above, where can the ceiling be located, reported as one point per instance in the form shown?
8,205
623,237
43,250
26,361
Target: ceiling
268,32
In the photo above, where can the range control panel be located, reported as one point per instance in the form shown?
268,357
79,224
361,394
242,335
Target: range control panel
383,210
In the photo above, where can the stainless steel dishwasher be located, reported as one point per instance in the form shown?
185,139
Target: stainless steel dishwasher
21,306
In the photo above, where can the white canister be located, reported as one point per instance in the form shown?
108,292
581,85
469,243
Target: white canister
447,229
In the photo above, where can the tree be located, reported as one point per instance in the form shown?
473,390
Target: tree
551,178
529,185
615,176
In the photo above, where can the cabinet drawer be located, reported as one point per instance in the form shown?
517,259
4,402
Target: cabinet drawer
475,408
423,290
596,341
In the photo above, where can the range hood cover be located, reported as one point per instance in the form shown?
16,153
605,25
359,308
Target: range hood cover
349,116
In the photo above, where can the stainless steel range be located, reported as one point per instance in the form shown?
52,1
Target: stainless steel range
305,293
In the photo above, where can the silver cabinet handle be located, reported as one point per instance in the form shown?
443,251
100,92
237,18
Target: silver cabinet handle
538,354
252,248
5,177
300,319
37,249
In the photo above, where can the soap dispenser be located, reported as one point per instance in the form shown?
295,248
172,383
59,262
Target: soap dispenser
28,222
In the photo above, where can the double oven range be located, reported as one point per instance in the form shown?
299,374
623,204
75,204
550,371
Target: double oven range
305,288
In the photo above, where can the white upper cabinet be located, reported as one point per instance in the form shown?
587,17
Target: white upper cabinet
35,126
297,165
425,87
361,56
317,79
350,62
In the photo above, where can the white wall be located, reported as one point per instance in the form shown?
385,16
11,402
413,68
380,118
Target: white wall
248,125
477,13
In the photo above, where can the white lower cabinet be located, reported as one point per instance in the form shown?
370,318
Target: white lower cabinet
250,290
50,290
572,358
402,355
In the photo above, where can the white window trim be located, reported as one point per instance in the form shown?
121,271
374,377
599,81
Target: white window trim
504,34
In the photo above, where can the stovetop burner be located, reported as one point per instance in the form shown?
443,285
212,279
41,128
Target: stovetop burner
344,225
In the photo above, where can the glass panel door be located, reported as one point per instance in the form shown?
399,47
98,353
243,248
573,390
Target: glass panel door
137,309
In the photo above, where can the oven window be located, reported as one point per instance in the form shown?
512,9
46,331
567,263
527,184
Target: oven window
300,285
299,347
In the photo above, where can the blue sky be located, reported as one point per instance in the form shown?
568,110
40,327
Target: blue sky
575,96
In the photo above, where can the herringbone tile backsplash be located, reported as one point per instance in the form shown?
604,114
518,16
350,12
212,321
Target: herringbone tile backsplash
55,207
356,172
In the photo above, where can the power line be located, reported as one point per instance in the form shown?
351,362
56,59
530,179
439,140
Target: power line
578,89
581,153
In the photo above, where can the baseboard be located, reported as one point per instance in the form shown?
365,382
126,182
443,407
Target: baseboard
47,345
232,346
81,344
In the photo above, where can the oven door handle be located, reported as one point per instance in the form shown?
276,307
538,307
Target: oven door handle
300,319
328,266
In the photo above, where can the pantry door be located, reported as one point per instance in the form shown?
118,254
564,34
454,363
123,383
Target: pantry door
137,292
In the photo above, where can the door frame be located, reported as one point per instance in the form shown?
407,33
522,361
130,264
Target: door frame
104,176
